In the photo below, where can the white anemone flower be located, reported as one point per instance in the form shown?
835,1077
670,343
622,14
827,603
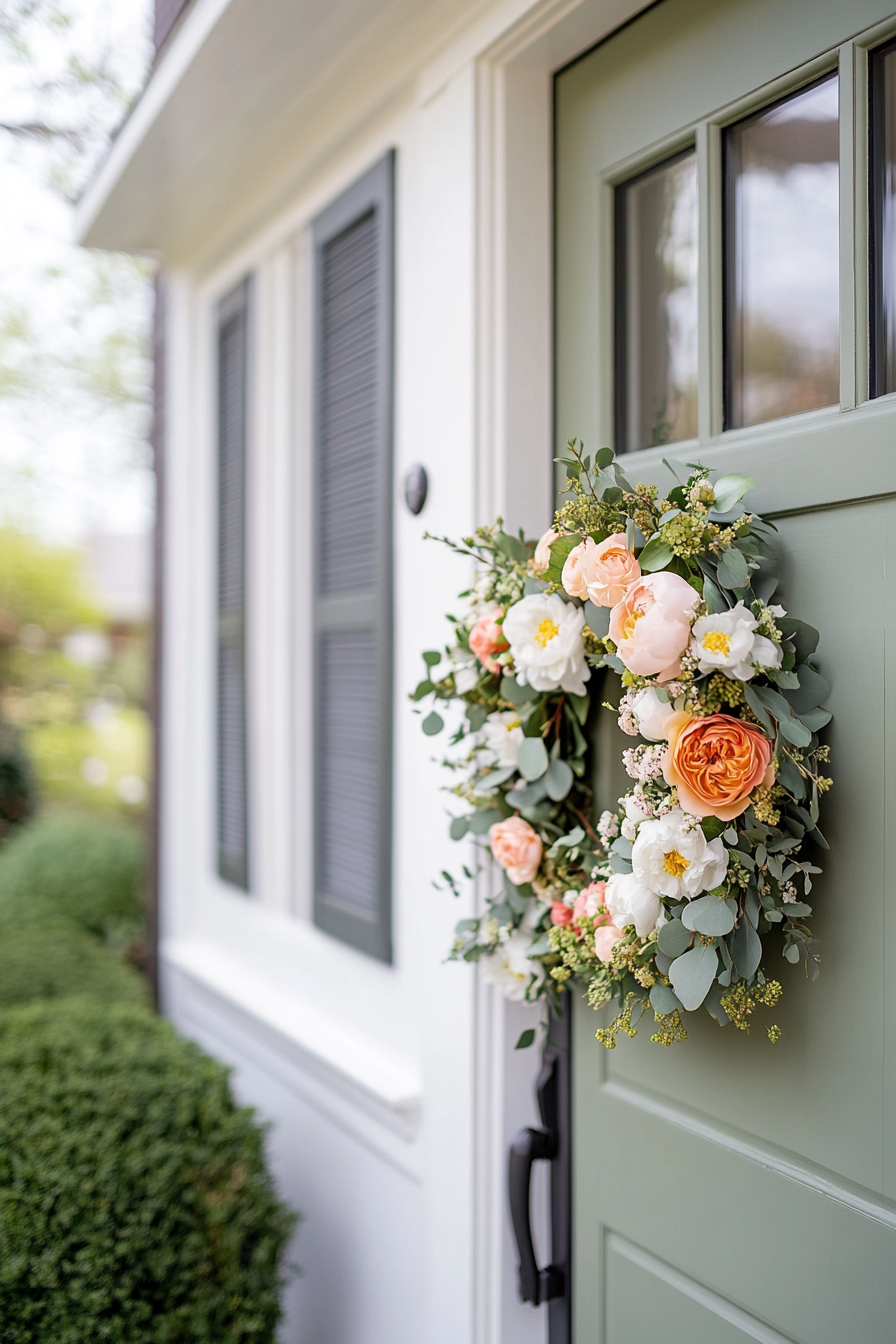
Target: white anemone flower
509,967
727,642
503,736
672,856
630,902
545,638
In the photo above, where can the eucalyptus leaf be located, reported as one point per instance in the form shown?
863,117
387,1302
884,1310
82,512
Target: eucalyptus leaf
476,717
673,938
712,596
527,795
814,690
614,662
532,761
710,916
730,489
714,1007
431,657
692,974
795,732
746,949
663,962
620,864
513,692
512,547
788,681
814,719
758,708
480,821
459,827
792,954
662,1000
790,778
558,779
432,724
804,637
734,572
488,783
774,701
603,457
541,947
597,619
655,555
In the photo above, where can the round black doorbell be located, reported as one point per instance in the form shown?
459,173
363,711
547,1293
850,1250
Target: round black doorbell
415,486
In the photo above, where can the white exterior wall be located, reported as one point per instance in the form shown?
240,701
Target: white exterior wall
393,1090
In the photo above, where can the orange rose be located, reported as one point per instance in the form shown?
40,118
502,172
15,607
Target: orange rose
716,763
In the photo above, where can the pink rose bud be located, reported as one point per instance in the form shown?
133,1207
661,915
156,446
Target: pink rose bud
541,560
560,914
487,638
517,847
605,940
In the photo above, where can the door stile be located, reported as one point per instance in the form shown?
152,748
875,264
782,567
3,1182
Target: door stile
710,353
858,264
851,205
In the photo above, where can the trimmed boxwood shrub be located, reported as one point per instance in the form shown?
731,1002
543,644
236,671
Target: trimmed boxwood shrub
135,1202
89,870
58,960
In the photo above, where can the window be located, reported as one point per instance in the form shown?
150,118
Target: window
353,262
656,305
782,300
882,74
232,787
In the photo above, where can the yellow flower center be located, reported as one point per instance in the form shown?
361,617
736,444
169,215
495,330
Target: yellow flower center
546,632
717,642
675,863
517,723
628,625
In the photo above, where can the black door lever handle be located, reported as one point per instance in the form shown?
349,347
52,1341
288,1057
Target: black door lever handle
530,1145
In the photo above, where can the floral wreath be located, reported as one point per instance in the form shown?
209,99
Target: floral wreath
677,899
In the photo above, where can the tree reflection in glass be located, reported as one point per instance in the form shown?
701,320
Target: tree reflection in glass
656,305
782,255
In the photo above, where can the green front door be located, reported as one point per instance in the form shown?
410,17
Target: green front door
723,195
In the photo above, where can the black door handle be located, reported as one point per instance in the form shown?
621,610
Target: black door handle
530,1145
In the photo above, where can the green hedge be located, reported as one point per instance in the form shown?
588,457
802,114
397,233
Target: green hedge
76,867
57,960
18,786
135,1204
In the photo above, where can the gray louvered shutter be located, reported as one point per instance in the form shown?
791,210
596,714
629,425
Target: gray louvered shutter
353,254
232,764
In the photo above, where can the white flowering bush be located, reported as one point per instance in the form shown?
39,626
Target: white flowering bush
669,901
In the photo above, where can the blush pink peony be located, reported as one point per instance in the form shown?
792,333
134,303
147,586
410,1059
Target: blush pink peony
517,847
651,625
487,638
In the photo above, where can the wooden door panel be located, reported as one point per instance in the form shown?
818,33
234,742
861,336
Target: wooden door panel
813,1263
640,1287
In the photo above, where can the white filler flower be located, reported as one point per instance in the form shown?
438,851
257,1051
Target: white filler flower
727,642
510,969
630,902
545,638
672,857
502,736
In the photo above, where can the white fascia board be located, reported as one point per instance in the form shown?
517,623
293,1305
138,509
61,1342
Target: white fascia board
199,21
349,1059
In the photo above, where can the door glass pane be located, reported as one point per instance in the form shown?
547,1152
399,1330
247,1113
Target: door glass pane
883,221
782,246
656,305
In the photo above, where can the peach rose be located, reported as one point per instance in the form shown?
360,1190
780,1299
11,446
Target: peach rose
560,914
541,560
605,939
716,763
651,625
517,848
588,901
487,638
608,569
